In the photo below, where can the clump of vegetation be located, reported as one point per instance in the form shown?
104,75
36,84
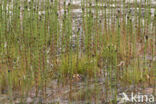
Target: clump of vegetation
137,76
107,57
72,64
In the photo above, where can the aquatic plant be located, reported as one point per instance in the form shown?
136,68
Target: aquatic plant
91,41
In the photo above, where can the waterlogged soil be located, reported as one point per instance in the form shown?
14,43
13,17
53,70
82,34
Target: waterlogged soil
89,92
80,90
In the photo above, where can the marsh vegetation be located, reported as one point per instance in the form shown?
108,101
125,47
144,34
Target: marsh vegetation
76,51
